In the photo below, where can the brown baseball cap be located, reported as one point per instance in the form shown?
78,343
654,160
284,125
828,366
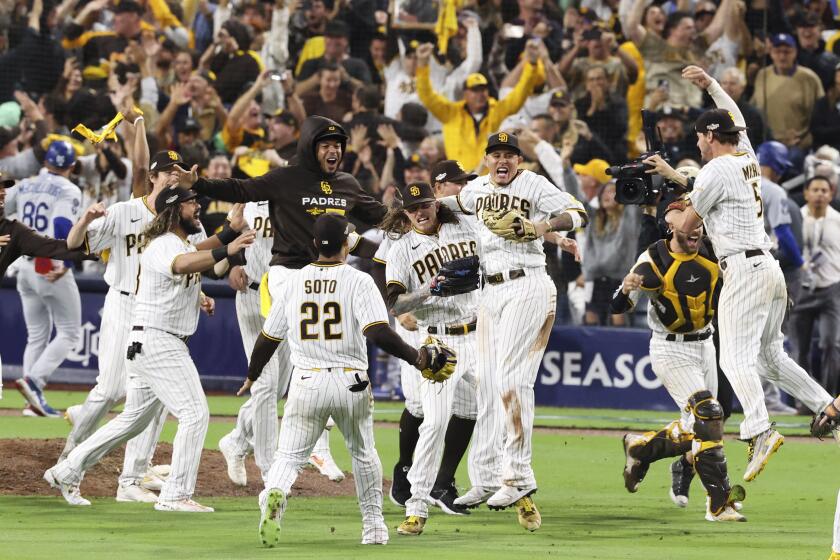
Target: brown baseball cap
418,193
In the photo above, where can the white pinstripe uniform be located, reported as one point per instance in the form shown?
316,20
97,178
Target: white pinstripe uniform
515,318
327,311
40,201
120,231
409,380
683,367
161,376
413,260
256,423
754,297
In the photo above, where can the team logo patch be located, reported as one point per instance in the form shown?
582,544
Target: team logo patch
331,128
415,191
442,176
326,188
503,137
315,211
712,126
461,167
731,116
172,155
172,199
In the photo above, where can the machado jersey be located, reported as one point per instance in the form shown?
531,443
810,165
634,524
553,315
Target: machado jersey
121,231
727,196
415,258
47,203
167,301
683,288
258,255
330,306
533,195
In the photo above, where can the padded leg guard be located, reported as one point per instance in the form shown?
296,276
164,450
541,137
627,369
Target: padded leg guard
670,441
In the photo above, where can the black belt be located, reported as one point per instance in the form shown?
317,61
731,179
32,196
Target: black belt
499,277
690,337
254,286
454,329
122,293
748,254
180,337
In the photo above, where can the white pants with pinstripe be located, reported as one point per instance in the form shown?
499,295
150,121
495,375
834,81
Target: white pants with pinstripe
409,380
684,369
440,401
514,322
314,396
110,390
162,376
256,423
751,310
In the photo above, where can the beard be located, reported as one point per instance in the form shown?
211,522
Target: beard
190,226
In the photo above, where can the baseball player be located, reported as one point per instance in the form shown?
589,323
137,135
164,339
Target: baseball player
680,275
448,179
414,261
516,313
160,373
120,230
48,203
297,195
331,308
16,240
727,199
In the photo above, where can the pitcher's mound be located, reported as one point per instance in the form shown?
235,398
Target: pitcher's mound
23,462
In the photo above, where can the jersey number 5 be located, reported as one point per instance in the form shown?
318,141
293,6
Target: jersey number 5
312,314
757,192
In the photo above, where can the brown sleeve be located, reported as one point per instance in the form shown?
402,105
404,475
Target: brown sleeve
367,209
33,245
393,291
386,338
377,271
365,248
264,349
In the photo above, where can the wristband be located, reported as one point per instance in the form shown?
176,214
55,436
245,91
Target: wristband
219,253
577,220
137,120
227,234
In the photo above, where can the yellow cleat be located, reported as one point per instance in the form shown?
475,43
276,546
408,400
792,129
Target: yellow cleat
834,556
529,515
413,525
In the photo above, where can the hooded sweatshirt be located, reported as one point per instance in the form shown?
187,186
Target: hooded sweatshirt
298,194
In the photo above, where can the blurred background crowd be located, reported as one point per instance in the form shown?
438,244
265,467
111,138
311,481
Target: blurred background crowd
227,85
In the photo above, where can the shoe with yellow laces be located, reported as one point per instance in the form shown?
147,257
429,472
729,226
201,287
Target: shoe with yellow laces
529,515
834,556
413,525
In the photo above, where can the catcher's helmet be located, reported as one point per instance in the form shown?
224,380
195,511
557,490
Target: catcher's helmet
774,155
60,154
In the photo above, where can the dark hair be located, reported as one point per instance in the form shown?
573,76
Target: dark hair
727,137
817,178
395,224
544,117
369,97
162,224
329,67
674,20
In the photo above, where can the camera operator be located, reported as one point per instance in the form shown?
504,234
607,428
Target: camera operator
677,182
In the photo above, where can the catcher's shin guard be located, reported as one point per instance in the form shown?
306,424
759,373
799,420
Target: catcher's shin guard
707,449
670,441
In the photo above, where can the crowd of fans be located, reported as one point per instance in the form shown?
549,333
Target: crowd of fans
227,85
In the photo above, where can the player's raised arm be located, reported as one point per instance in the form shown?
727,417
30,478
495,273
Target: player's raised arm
78,233
701,79
205,260
255,189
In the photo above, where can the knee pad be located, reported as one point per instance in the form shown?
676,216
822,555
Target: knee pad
708,416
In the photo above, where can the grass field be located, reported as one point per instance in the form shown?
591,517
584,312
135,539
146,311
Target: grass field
586,512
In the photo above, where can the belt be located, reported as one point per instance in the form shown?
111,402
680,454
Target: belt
696,337
747,254
180,337
122,293
499,277
452,329
254,286
328,369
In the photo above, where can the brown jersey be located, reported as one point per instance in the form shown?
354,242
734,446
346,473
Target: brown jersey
24,241
297,195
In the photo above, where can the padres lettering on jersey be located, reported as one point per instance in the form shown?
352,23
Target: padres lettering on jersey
329,308
258,255
685,286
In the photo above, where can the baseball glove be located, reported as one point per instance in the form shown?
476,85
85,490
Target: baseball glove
457,276
509,224
822,424
438,360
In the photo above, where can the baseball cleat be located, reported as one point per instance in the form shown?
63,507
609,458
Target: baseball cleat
272,507
323,461
412,526
161,471
135,493
152,481
444,498
31,412
378,534
728,513
71,415
235,463
400,487
761,448
507,496
681,477
475,496
529,515
634,469
185,505
35,397
69,492
834,556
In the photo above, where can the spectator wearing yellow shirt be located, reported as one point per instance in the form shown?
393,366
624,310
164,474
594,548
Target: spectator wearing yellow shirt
468,123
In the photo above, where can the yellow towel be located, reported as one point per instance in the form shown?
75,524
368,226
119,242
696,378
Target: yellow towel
265,297
447,23
107,132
